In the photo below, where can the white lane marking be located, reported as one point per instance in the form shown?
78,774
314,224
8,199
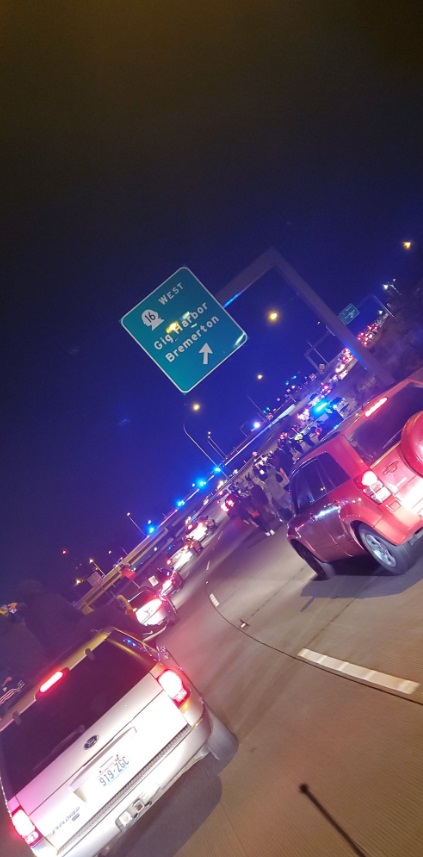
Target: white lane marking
208,565
219,536
401,685
213,600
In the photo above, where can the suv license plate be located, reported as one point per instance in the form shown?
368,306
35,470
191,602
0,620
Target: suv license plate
116,766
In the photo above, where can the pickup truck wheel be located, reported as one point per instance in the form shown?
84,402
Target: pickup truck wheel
324,570
395,559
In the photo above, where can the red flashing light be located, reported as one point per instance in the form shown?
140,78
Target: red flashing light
173,685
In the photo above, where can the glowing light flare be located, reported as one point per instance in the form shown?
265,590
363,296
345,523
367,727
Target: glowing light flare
25,827
375,407
173,685
369,478
53,679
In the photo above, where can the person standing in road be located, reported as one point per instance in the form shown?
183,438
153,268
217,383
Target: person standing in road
307,436
265,515
284,455
275,486
295,444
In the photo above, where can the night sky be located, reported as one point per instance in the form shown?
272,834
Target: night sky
139,137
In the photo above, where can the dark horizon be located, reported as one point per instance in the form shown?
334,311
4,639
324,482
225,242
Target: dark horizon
134,145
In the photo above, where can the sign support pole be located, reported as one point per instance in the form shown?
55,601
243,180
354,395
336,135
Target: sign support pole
272,260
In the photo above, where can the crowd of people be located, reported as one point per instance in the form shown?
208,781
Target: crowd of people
44,624
263,496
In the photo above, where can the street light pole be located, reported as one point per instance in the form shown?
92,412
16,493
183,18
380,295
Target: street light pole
387,286
97,567
256,406
198,445
128,515
379,303
214,445
313,348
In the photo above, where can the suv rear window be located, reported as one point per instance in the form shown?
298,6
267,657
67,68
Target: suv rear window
382,429
83,695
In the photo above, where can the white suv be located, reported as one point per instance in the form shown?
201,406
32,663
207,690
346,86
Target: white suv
89,748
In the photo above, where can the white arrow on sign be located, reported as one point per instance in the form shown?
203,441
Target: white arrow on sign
205,351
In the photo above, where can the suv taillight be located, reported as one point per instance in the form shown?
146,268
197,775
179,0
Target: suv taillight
25,827
173,685
372,486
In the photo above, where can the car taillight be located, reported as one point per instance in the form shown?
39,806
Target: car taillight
372,486
24,826
145,613
50,682
173,685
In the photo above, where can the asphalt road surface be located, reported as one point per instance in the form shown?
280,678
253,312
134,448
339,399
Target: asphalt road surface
322,684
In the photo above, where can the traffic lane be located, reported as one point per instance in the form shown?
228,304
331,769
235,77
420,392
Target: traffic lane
358,749
253,571
361,616
218,548
382,627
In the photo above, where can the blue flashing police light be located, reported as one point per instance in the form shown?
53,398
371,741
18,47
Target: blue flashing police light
320,407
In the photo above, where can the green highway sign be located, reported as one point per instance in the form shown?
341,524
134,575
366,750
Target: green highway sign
349,313
184,329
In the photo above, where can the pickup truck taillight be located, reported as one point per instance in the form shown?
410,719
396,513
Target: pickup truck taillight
371,485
